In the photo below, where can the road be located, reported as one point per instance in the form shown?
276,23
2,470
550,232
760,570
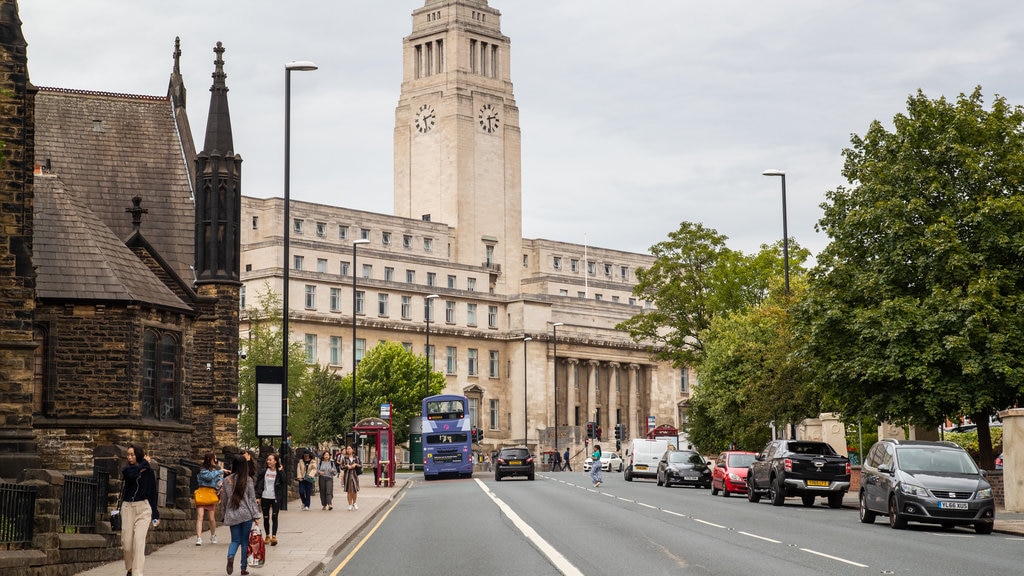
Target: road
560,524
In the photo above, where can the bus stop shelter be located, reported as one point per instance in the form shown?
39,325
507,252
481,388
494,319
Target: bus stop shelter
381,437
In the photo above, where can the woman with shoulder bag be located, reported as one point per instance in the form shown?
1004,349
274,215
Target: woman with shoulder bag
138,508
326,471
209,479
305,473
353,467
271,492
240,511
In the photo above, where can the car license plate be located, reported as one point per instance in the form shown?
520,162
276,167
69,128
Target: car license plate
515,462
641,467
818,483
691,477
953,505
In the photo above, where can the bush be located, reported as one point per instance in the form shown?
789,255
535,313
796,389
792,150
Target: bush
969,441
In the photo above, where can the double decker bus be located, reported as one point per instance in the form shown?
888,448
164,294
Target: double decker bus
447,436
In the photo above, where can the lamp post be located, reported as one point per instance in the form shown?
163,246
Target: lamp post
355,247
426,347
302,66
785,229
554,341
526,413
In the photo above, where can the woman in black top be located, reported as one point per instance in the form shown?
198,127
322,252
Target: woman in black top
138,508
271,491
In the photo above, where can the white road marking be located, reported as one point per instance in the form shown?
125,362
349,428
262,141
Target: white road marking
647,505
773,541
560,562
673,513
708,523
836,558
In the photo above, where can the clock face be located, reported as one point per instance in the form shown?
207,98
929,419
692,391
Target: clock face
488,117
425,118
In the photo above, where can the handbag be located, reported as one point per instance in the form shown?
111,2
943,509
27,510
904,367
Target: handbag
257,548
115,515
206,496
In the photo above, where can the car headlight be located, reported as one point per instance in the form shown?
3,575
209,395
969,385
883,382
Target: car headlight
913,489
984,493
734,477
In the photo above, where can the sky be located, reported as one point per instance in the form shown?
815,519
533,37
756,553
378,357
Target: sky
636,115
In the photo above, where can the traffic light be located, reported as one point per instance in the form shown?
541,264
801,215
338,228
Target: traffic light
620,432
477,434
591,429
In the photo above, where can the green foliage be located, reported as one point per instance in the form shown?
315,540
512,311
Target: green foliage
915,308
863,438
263,348
969,441
694,279
322,408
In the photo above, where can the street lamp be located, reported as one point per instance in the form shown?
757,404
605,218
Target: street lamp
302,66
526,413
554,340
355,246
426,349
785,229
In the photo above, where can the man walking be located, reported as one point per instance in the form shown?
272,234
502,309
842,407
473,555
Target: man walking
565,460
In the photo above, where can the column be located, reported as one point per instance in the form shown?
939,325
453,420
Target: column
592,391
572,390
1013,459
632,412
613,397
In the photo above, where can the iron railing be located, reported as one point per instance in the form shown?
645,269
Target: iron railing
78,503
17,514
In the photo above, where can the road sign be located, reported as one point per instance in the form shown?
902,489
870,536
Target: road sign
385,411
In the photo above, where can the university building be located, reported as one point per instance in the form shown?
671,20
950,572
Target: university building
505,305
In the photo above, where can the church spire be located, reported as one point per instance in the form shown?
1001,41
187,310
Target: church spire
218,124
176,87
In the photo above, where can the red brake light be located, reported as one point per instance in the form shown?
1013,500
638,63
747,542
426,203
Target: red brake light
789,464
847,467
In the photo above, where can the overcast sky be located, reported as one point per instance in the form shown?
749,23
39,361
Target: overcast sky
636,115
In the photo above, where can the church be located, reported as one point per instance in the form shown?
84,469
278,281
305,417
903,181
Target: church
525,328
119,269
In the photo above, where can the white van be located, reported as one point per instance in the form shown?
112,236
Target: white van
642,457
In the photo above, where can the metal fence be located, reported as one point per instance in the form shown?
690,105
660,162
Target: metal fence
78,503
17,514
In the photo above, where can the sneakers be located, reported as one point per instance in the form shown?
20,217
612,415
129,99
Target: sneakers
199,540
350,507
273,540
213,538
356,506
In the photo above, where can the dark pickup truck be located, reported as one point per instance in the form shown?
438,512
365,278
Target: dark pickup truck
798,468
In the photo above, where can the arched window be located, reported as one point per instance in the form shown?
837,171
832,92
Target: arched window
161,380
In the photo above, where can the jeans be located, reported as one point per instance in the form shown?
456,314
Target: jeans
326,490
305,492
240,537
270,511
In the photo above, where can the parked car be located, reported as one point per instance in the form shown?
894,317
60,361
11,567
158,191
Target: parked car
999,461
642,457
802,468
513,462
683,467
921,481
730,473
610,461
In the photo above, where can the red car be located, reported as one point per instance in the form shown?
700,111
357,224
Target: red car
730,473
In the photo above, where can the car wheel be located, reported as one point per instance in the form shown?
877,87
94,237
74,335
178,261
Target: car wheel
627,475
866,516
752,495
725,491
808,500
983,527
776,493
497,477
714,491
667,483
835,500
896,520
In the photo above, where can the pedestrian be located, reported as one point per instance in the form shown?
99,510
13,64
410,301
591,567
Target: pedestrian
240,511
595,465
305,473
210,476
138,508
376,470
487,462
352,467
271,491
326,472
565,460
557,464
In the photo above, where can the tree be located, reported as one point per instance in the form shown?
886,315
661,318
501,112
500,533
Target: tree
914,312
391,374
263,348
750,376
321,408
695,278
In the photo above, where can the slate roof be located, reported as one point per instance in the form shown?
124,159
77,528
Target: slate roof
108,148
77,257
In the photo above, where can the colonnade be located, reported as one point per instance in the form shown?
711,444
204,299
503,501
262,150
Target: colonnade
604,392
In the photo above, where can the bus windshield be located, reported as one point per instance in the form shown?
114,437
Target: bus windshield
445,410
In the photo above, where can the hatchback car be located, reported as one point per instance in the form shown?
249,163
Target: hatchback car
610,461
513,462
930,482
730,473
683,467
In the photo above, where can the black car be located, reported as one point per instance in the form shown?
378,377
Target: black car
683,467
513,462
920,481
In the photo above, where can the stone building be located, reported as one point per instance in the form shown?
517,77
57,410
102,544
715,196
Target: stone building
120,269
456,233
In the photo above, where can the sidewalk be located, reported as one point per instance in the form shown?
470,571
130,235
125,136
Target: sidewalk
305,539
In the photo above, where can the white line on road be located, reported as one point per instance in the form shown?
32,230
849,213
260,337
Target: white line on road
773,541
560,562
647,505
836,558
673,513
708,523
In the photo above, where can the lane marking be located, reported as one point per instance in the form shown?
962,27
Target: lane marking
554,556
772,540
673,513
836,558
647,505
708,523
367,537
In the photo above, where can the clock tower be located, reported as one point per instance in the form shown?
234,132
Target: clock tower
457,139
